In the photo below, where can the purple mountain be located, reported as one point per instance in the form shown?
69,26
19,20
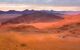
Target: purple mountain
34,17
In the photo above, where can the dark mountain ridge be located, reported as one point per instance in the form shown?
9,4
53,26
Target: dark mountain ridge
35,17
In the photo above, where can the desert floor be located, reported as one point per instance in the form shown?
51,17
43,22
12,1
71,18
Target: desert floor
20,41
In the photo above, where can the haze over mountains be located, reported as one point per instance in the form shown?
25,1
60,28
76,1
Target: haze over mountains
29,16
31,11
33,16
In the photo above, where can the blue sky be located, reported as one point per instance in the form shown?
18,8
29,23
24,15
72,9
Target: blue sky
45,2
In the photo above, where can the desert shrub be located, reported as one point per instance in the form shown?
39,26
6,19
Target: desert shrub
23,45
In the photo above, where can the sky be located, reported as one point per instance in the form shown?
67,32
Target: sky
59,5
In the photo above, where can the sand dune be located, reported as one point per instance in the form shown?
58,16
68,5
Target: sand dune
59,35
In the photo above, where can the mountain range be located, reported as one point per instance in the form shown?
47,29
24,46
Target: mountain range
34,17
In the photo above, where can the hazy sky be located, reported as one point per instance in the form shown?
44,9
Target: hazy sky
40,4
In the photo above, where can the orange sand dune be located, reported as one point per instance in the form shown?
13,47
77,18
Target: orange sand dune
68,19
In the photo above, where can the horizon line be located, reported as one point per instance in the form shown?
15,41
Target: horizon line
21,7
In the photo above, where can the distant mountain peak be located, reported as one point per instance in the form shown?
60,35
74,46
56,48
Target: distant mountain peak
35,17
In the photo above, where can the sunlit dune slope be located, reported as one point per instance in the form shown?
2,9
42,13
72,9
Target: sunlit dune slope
68,19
